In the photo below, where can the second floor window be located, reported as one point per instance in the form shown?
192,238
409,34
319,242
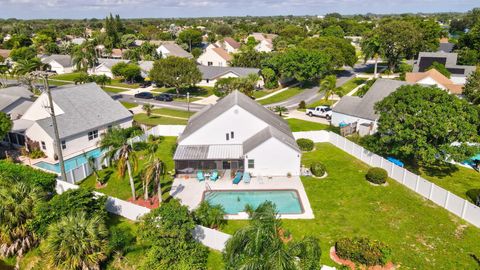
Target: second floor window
64,145
92,135
44,146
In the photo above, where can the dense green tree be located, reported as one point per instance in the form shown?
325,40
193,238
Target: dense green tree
270,78
261,245
249,58
440,68
18,41
23,53
5,124
223,30
127,40
175,72
420,124
211,216
191,37
467,56
471,91
341,51
25,66
40,41
84,56
246,85
371,48
130,72
76,242
333,31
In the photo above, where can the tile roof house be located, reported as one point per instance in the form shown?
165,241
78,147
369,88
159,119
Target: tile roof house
59,63
215,56
360,110
210,74
104,67
172,49
229,44
237,134
265,41
433,77
459,73
83,113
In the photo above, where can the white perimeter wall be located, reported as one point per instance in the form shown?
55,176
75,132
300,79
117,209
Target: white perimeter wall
337,118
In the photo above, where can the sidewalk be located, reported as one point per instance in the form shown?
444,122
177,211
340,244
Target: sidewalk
277,92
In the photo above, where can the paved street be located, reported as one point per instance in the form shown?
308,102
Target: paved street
173,104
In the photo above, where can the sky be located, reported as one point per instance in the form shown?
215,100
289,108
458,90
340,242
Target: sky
79,9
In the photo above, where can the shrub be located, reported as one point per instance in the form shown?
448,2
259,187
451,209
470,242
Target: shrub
210,215
362,251
119,239
302,105
305,144
20,173
318,169
377,175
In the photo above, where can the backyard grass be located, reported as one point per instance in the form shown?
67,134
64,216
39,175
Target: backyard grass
281,96
155,120
120,187
302,125
129,105
351,84
173,112
420,234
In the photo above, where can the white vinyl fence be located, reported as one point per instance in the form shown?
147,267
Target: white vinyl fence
444,198
160,130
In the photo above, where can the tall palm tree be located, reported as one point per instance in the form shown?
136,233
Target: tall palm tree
76,242
371,48
329,85
18,200
260,245
84,56
24,66
280,110
91,163
155,170
148,109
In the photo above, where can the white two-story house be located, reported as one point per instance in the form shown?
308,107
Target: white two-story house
238,134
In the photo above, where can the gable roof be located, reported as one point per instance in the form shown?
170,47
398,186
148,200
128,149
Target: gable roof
203,117
446,47
62,59
414,77
263,36
109,63
364,107
86,107
176,50
232,42
449,60
222,53
145,65
214,72
264,135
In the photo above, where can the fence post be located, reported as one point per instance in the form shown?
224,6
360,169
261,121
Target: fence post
430,194
344,144
73,177
381,161
446,199
416,184
403,177
361,153
392,169
84,166
464,208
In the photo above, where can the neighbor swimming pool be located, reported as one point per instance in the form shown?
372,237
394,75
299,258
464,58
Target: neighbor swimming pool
70,163
470,161
286,201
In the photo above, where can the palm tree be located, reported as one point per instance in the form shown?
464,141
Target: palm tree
91,163
329,85
155,170
260,245
280,110
84,56
371,48
24,66
18,200
148,109
115,142
76,242
102,80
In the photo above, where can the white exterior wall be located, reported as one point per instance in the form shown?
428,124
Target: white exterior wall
101,70
337,118
212,56
242,123
430,81
36,133
163,51
59,69
38,109
263,46
274,158
458,79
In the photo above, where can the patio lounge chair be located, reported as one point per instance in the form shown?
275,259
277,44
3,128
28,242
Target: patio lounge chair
200,176
246,178
214,175
238,178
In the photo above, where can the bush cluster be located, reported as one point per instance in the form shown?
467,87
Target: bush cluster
363,251
210,215
377,175
29,175
318,169
305,144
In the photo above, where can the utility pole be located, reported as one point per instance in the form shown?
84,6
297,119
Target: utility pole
188,103
44,76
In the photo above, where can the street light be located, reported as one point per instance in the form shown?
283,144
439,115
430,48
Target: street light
44,76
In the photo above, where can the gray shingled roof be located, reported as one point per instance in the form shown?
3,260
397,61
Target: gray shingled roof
86,107
176,50
236,98
111,62
145,65
364,107
62,59
446,47
214,72
266,134
450,62
12,94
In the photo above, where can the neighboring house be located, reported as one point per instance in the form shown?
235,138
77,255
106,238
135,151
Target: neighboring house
360,110
59,63
104,67
145,67
445,46
265,41
237,134
211,74
229,44
172,49
459,73
83,113
215,56
433,77
15,100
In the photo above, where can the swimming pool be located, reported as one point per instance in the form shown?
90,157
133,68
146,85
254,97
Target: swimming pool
470,161
286,201
70,163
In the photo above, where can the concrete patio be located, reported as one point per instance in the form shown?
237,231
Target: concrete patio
190,191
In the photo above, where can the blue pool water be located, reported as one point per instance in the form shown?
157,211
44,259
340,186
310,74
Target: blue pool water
470,161
287,201
70,163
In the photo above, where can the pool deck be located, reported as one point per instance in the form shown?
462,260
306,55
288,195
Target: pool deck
190,192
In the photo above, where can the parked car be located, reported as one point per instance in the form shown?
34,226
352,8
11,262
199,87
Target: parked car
145,84
144,95
116,97
320,111
164,97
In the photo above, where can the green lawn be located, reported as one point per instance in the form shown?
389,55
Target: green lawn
120,187
129,105
351,84
56,83
66,76
120,83
264,92
173,112
302,125
155,120
420,234
321,102
215,260
281,96
113,90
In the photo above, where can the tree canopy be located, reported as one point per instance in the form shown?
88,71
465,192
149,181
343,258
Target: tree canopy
471,90
5,124
175,72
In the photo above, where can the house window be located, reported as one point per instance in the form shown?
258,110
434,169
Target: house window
232,135
227,136
64,145
44,146
251,163
92,135
210,63
208,80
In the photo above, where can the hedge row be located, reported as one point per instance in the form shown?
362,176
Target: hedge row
363,251
17,172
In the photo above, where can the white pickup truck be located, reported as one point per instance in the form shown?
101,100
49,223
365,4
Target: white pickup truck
320,111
